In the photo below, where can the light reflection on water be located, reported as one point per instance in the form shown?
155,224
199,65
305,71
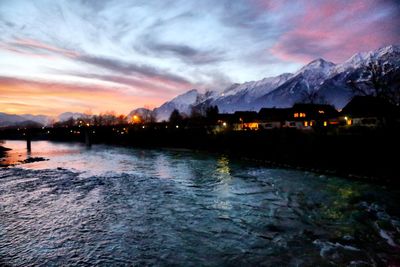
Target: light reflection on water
119,206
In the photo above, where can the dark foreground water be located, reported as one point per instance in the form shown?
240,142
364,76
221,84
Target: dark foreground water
112,206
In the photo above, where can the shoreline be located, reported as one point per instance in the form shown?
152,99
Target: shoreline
255,159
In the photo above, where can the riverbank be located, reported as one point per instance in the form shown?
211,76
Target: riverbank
3,151
365,155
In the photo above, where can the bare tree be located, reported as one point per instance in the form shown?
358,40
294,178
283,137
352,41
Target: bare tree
312,97
381,80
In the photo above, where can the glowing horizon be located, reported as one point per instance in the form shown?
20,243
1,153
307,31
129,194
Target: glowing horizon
80,56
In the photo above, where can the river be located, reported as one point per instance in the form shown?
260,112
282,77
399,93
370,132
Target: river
117,206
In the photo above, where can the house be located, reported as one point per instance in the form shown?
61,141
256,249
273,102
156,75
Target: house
369,111
273,118
225,121
307,116
245,120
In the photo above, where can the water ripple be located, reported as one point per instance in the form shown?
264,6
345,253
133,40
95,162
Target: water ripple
181,208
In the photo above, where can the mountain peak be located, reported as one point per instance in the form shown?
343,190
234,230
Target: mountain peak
320,62
317,65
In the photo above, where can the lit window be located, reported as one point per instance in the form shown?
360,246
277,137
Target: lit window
306,123
296,115
321,111
325,123
311,123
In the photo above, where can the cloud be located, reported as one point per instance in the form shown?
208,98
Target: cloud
142,86
57,97
126,68
337,29
186,53
154,50
34,45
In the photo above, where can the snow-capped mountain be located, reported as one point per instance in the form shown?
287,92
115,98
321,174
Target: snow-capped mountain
182,102
23,120
389,53
241,96
295,89
42,119
328,80
68,115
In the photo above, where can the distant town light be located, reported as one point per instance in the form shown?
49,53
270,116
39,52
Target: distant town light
321,111
136,119
177,126
224,124
87,124
143,127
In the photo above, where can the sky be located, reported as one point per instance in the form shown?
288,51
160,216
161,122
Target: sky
98,56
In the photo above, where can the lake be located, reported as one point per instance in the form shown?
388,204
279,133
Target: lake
117,206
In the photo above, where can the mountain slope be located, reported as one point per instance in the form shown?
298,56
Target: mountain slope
182,102
306,80
323,78
241,96
23,120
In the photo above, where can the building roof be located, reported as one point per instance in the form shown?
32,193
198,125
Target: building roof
369,106
316,111
274,114
246,116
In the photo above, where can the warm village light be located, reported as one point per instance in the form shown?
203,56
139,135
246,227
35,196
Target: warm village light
136,119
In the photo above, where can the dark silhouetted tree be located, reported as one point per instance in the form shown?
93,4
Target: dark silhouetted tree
212,113
175,117
381,80
312,97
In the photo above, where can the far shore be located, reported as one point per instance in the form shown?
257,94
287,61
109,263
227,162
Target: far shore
345,156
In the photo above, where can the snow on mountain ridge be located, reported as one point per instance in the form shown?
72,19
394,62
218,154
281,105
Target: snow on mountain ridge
182,102
257,88
363,58
318,65
284,90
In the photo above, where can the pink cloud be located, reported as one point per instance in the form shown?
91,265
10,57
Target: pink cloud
34,44
52,98
335,30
